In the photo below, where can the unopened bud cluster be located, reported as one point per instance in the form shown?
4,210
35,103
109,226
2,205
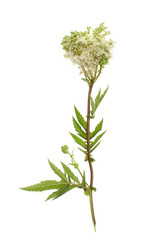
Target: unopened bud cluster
65,149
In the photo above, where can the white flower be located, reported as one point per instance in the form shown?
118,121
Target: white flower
90,51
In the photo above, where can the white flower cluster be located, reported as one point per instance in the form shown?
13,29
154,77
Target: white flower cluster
90,51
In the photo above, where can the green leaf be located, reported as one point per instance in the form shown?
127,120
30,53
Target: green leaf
57,171
97,139
97,99
93,106
81,120
70,173
83,151
79,141
79,129
95,147
44,185
60,192
63,190
86,80
91,159
97,129
52,195
87,192
84,180
104,93
69,179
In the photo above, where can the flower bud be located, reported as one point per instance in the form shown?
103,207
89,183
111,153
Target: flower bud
65,149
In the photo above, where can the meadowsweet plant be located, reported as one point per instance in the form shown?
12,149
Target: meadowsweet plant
91,51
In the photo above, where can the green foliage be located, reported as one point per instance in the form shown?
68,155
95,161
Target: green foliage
62,186
60,192
98,99
91,159
79,141
93,144
91,150
104,93
79,129
70,173
85,80
63,190
87,192
96,140
80,118
44,185
91,51
57,171
83,151
52,195
93,106
83,180
97,129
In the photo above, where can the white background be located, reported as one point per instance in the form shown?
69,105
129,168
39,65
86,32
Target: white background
38,88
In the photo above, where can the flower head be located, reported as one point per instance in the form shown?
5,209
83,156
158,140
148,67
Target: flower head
90,50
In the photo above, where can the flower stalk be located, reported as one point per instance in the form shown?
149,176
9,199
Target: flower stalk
89,158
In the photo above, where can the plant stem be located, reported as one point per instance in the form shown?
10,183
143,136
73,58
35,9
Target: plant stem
74,162
88,150
92,209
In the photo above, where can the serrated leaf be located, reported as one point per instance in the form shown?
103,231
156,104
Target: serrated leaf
44,185
60,192
97,99
63,190
97,139
81,120
57,171
83,151
70,173
52,195
104,93
95,147
79,129
97,129
79,141
93,106
69,179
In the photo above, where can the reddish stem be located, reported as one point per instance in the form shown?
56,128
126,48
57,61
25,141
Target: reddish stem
89,158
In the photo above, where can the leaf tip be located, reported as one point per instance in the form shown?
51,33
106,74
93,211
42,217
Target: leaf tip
49,162
24,188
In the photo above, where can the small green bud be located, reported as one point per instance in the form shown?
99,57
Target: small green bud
65,149
91,159
87,191
93,116
93,189
76,165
